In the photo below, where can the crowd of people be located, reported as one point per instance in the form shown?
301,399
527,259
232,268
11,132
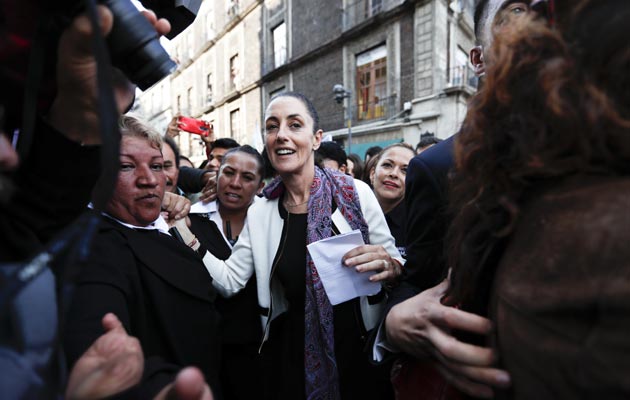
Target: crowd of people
498,256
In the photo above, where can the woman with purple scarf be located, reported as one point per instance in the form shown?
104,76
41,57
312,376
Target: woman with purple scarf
311,349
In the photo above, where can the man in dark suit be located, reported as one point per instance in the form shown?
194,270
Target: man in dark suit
417,323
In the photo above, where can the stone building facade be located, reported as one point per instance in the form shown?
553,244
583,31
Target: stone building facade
402,63
219,69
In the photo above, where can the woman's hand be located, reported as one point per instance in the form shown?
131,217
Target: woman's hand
374,258
209,192
174,207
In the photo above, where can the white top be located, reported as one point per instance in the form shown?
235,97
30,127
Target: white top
260,239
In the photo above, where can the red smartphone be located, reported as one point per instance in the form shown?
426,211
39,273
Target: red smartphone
192,125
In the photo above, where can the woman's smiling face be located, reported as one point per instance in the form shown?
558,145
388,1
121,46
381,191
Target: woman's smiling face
289,136
389,174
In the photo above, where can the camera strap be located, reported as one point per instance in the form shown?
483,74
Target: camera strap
108,112
32,84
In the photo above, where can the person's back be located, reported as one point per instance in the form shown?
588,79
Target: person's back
540,232
561,299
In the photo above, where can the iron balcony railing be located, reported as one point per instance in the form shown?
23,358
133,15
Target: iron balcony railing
357,11
378,108
462,76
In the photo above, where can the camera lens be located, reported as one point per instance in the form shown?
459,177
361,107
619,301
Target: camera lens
135,47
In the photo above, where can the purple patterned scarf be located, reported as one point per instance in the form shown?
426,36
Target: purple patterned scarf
320,366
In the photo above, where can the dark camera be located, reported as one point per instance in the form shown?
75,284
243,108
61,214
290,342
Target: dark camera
134,46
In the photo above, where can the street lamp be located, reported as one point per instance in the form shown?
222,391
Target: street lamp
342,93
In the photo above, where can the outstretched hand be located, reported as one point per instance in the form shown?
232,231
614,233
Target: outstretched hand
112,364
189,385
209,191
421,326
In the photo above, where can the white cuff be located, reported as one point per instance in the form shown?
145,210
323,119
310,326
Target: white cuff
381,345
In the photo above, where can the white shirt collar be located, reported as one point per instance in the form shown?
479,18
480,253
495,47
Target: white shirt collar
159,224
204,208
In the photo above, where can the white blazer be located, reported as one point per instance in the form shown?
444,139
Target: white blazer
256,249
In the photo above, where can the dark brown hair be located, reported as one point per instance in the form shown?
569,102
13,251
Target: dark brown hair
547,111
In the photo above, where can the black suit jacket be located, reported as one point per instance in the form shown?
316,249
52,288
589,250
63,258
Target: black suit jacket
163,295
427,220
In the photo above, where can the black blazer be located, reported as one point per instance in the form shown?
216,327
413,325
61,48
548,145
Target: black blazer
427,221
163,295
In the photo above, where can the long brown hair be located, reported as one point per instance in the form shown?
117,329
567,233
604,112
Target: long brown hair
546,111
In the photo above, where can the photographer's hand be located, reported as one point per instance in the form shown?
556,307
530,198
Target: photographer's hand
172,129
74,110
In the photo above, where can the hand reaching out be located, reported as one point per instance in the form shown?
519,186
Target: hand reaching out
421,326
112,364
209,191
189,385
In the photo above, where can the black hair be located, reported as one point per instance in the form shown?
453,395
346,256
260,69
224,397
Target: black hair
426,140
247,149
181,157
307,103
224,143
357,170
171,143
331,151
372,151
480,9
270,171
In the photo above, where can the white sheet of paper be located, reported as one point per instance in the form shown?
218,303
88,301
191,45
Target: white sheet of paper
341,283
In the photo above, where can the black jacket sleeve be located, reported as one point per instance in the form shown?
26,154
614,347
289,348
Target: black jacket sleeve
111,284
52,187
190,179
427,221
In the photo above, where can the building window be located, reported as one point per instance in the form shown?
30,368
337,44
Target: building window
178,106
154,105
372,7
190,45
189,101
209,25
235,124
372,83
279,37
209,88
233,72
232,10
178,59
276,92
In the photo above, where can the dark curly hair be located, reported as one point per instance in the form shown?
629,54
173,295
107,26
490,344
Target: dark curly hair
555,103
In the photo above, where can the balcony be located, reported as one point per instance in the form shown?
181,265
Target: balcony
462,76
358,11
377,109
